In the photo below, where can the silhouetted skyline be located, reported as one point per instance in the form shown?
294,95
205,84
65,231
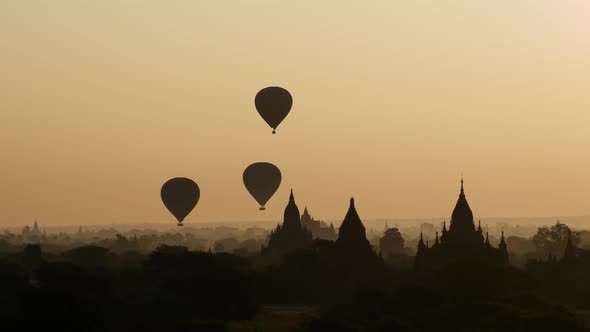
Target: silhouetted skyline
122,120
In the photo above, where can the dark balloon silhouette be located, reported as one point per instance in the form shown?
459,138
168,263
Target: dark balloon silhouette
180,195
273,105
262,180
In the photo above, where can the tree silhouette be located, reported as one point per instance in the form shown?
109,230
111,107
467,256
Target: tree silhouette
552,240
392,242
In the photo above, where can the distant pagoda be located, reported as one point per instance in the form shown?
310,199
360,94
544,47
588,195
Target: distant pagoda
318,228
289,236
462,242
33,232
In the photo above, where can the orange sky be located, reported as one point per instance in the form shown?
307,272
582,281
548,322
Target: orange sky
103,101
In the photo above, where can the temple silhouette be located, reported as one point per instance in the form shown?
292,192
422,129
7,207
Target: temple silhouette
460,243
32,231
352,240
318,228
289,236
351,243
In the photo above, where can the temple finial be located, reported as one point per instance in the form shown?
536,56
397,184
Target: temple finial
462,191
502,240
421,245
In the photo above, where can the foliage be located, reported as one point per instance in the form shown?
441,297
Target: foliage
552,240
176,289
392,242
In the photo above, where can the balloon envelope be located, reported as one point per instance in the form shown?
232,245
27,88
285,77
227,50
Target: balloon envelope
273,104
262,180
180,196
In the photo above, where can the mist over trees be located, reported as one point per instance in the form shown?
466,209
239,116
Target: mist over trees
160,281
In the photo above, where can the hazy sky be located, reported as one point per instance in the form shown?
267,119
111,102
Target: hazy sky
103,101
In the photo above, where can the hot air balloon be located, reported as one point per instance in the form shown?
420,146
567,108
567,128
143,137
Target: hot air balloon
262,180
180,196
273,105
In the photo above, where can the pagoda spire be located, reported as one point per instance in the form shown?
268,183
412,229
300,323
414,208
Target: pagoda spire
352,217
291,216
306,216
462,216
462,190
421,245
36,227
352,226
480,232
352,238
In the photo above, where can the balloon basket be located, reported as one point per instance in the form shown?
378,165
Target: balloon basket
274,132
179,224
262,208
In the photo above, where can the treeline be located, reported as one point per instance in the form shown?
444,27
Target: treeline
92,289
175,289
